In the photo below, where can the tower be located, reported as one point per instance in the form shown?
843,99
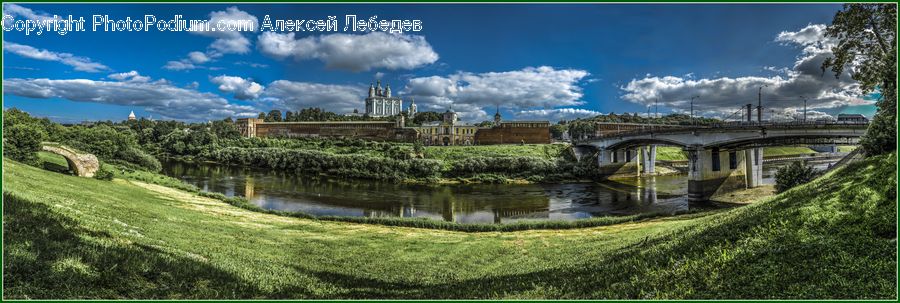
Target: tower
378,89
387,91
412,107
132,116
497,117
371,90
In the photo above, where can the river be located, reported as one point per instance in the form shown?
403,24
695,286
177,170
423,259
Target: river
469,203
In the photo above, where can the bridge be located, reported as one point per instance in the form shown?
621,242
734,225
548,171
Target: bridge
720,157
82,164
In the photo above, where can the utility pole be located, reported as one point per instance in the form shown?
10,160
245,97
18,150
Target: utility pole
692,108
657,107
804,108
759,109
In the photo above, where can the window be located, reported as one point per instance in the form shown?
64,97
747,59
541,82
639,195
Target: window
615,156
716,165
627,155
732,160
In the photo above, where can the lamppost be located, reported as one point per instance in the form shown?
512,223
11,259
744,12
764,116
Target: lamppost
804,108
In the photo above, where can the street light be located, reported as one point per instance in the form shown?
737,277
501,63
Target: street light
692,108
804,108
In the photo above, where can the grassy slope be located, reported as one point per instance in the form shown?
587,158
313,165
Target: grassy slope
673,153
75,238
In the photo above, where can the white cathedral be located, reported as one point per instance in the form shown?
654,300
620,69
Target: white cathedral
380,103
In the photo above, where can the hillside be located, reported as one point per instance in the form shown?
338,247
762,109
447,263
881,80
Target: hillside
69,237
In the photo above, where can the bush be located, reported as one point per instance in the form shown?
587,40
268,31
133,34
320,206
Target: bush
104,173
23,141
794,174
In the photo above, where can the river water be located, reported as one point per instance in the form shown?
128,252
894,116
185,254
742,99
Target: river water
479,203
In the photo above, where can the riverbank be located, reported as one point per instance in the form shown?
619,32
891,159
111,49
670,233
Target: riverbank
834,237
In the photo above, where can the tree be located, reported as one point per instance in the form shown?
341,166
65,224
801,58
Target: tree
558,130
288,116
867,45
794,174
23,141
425,117
261,116
274,116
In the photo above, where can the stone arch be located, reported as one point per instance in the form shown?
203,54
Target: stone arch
83,164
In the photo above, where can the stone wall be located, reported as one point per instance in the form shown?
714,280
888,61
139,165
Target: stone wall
512,135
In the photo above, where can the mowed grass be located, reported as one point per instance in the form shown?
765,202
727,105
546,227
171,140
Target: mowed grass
674,153
70,237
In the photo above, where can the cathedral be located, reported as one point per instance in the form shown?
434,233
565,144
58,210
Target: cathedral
380,103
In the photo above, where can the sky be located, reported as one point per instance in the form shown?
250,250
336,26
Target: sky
536,61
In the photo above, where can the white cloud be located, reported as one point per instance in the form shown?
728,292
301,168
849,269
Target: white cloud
227,41
133,76
352,52
243,89
290,95
24,12
198,57
179,65
554,115
158,97
529,88
784,92
78,63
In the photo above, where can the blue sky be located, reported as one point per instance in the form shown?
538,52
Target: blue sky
533,61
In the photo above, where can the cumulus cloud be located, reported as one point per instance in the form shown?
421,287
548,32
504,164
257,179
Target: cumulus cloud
158,97
78,63
227,41
179,65
198,57
352,52
293,95
129,76
529,88
556,114
243,89
782,96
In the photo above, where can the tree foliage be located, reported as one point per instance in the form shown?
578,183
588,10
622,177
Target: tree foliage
867,46
22,141
794,174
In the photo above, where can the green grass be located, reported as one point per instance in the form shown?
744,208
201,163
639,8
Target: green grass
787,151
70,237
673,153
846,148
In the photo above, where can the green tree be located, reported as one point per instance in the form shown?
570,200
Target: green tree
867,45
425,117
793,174
22,141
261,116
557,130
274,116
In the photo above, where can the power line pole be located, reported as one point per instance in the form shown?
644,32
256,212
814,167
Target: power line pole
759,109
692,108
657,107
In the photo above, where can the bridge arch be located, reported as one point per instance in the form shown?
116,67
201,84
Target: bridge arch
82,164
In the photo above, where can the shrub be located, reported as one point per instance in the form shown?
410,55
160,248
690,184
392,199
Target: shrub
793,174
104,173
23,141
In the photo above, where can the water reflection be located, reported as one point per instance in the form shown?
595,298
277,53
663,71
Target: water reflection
483,203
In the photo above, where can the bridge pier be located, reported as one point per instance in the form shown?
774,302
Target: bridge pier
711,171
753,167
648,159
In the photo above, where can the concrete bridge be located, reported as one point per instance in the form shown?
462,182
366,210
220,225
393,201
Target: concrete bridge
82,164
720,157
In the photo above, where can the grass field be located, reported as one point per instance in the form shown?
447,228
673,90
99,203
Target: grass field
70,237
673,153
